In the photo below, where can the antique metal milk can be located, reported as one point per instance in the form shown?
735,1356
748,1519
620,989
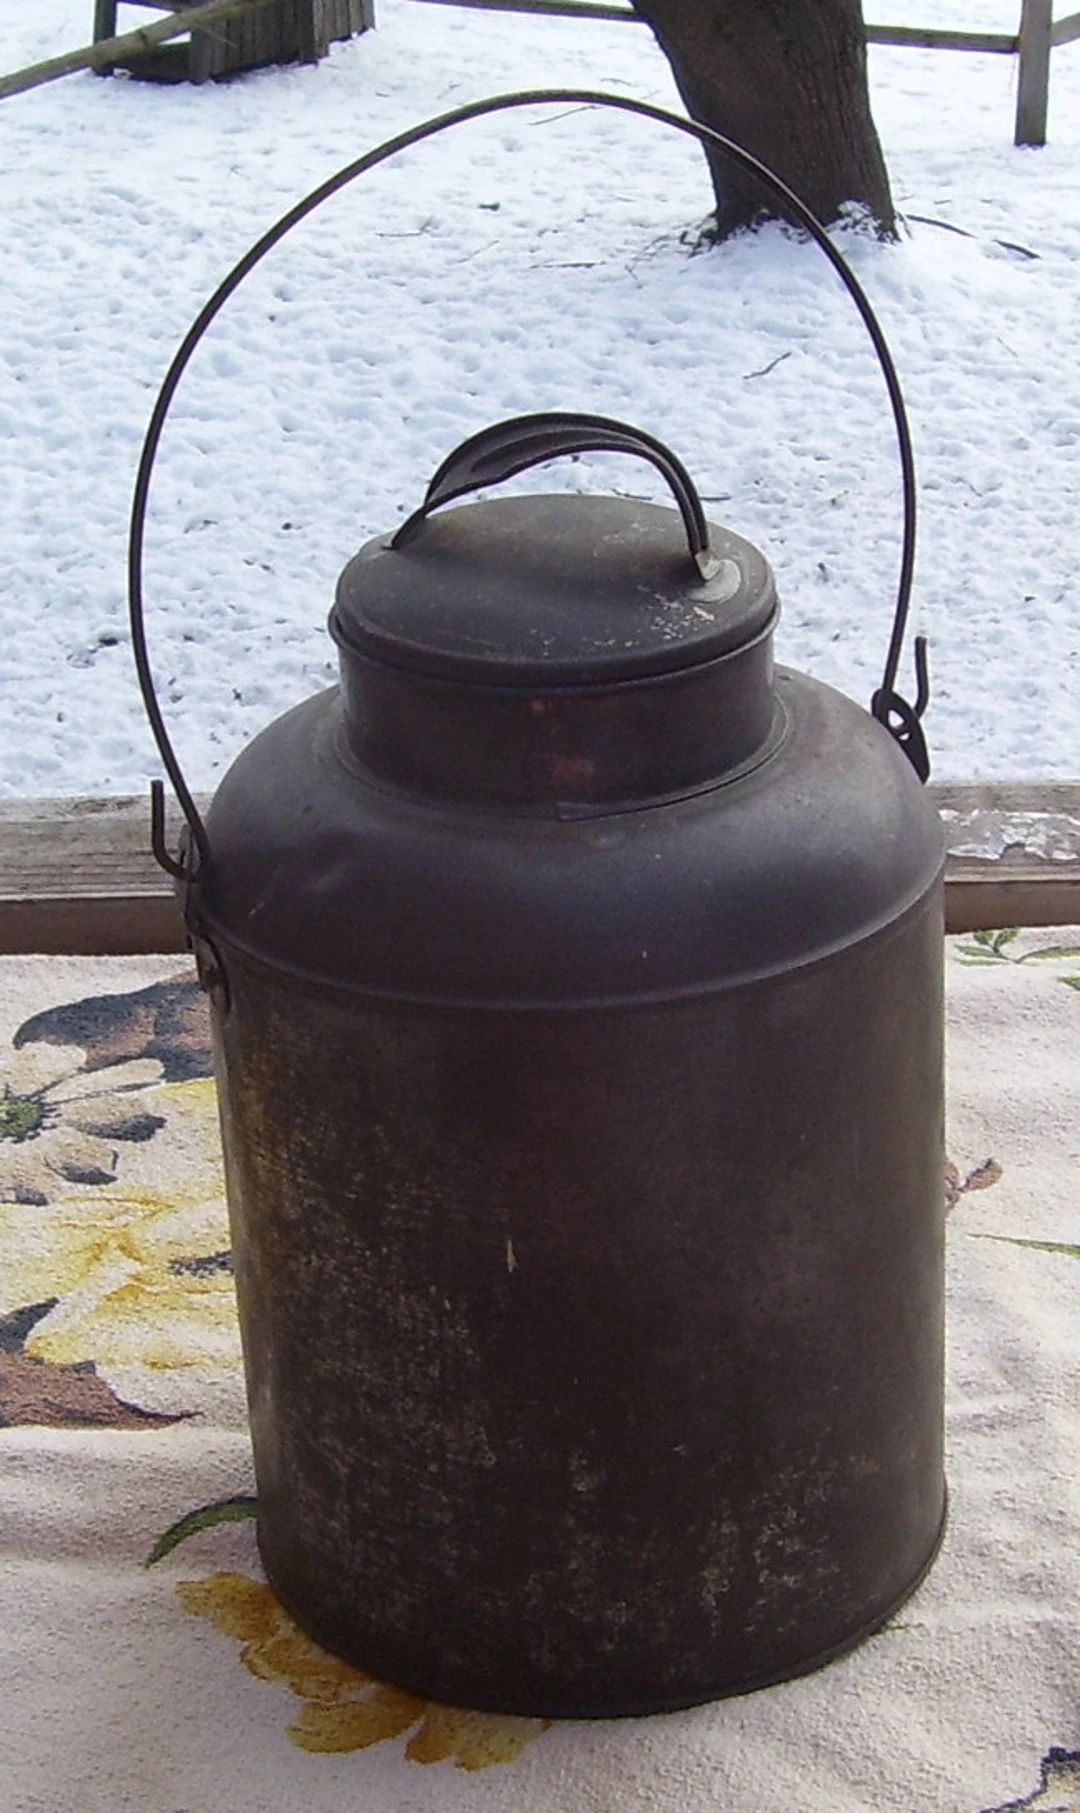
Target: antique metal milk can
576,990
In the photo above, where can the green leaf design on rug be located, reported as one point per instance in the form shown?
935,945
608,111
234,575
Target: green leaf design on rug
990,947
1038,1246
223,1510
1051,953
996,947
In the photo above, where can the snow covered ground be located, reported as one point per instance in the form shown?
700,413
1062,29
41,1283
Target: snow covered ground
529,261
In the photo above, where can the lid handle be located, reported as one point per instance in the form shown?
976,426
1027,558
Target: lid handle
506,448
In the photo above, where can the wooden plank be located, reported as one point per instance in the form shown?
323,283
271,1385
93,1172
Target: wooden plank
288,34
229,46
913,37
104,27
203,56
293,36
254,37
78,875
1059,798
1065,30
1033,85
104,19
269,42
988,902
566,9
263,42
1014,854
308,47
93,925
256,42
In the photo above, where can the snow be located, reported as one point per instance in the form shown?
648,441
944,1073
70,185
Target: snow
531,260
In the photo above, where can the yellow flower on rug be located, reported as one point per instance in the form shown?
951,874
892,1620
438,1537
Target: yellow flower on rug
140,1276
136,1271
344,1709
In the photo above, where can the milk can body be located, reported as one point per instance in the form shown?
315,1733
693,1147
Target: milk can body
578,1026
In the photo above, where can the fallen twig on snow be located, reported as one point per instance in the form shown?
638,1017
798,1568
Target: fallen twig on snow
766,369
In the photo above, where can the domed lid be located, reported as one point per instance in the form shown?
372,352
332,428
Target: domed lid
552,590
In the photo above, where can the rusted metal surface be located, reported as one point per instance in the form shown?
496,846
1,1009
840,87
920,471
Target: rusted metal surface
576,984
583,1130
594,1358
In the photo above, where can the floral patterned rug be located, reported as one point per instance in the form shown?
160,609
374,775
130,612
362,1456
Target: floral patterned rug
146,1663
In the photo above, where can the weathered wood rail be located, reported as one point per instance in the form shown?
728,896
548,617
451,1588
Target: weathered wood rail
1037,34
76,875
142,40
272,31
223,37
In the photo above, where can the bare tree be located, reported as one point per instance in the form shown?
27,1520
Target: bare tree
787,80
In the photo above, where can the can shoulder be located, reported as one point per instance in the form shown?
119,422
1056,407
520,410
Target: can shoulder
314,871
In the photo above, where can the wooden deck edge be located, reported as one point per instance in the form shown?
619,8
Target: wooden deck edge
977,900
77,876
1014,853
107,924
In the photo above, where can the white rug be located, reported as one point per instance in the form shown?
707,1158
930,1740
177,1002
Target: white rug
182,1686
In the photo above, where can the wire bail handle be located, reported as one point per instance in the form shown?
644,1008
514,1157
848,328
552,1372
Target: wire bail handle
901,719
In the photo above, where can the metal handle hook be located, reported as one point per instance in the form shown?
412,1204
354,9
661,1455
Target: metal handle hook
885,703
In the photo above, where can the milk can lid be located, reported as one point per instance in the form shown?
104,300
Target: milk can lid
552,590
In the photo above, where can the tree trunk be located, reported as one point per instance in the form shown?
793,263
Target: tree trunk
786,79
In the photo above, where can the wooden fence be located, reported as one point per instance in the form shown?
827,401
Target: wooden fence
77,874
1037,34
261,32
